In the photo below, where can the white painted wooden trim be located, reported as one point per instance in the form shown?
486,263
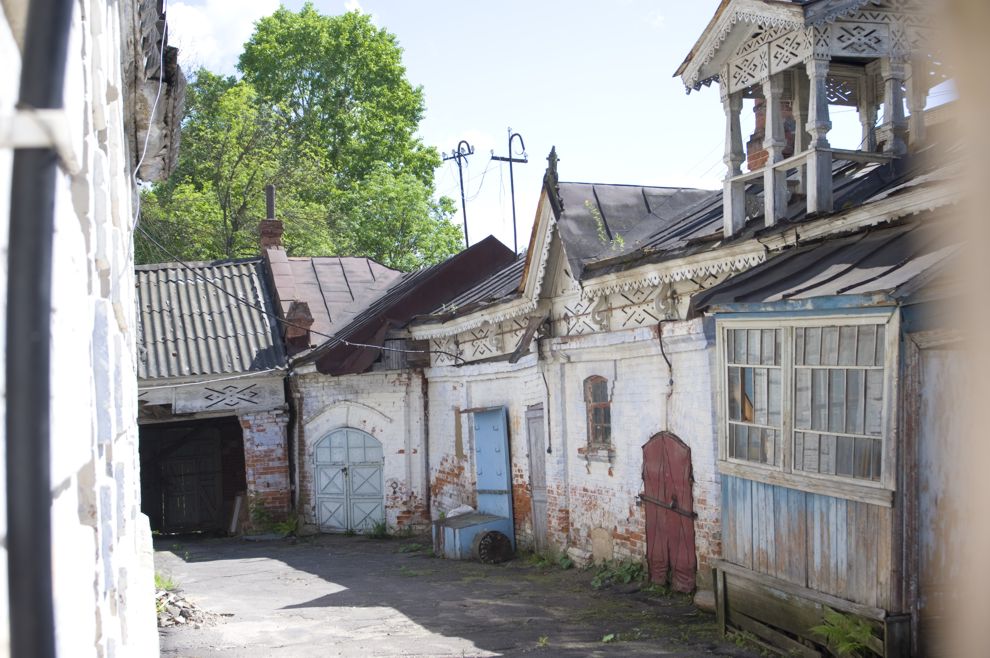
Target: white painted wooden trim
876,493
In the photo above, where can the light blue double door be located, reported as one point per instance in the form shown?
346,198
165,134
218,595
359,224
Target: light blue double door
349,485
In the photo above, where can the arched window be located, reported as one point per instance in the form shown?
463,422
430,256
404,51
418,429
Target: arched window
599,409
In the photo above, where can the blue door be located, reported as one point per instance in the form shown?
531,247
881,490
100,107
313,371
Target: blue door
494,476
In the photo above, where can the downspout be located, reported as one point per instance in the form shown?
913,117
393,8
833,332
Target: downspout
428,486
295,447
28,342
292,427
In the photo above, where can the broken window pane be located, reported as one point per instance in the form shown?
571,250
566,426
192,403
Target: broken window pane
735,394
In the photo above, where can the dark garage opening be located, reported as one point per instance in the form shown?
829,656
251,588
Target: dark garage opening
191,473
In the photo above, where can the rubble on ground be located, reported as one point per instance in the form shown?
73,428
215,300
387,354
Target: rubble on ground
174,610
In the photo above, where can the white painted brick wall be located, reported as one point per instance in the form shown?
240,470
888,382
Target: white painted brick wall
586,495
102,557
389,407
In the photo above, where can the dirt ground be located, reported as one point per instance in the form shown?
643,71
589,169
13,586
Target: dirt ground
333,595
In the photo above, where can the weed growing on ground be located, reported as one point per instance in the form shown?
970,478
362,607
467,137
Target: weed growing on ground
543,641
847,636
550,558
349,532
165,582
287,527
379,531
608,638
409,573
618,572
411,548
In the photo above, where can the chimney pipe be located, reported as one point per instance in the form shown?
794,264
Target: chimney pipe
270,230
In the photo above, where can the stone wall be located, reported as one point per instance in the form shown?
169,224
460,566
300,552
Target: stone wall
102,559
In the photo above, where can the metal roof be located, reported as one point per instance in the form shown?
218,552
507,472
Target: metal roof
415,293
604,220
191,322
499,287
872,267
700,227
337,289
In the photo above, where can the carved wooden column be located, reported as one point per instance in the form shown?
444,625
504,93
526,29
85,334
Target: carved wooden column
917,95
819,162
799,108
733,194
774,180
892,70
868,113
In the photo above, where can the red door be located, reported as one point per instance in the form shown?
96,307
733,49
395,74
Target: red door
669,512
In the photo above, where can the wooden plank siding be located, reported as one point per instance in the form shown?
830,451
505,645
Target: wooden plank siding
831,545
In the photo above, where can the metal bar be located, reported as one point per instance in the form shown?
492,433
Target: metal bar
672,508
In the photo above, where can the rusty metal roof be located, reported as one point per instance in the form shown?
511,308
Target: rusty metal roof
191,322
337,289
873,267
499,287
356,346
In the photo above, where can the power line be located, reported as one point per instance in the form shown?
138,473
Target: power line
333,340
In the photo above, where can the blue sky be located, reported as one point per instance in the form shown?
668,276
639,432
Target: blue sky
593,78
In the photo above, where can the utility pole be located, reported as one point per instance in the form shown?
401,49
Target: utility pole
463,151
512,185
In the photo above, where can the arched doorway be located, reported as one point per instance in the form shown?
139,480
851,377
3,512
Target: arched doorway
349,487
670,513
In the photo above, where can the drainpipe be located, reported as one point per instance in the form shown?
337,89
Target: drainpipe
28,357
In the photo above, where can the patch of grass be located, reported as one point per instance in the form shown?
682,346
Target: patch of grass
349,532
415,547
543,641
609,638
409,573
165,582
550,558
618,572
656,589
287,527
379,531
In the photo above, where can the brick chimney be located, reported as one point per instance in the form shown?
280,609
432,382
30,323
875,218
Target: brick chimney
270,230
756,155
298,320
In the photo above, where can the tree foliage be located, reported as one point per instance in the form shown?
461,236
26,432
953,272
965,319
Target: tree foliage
323,111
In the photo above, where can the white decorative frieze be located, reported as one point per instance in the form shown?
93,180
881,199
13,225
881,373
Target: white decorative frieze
233,395
859,39
748,70
446,351
483,342
584,316
789,50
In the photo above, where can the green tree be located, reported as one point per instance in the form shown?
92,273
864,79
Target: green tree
391,218
339,84
325,112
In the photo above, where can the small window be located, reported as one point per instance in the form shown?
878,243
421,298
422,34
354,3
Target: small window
599,412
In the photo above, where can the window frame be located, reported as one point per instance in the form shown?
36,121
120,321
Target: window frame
590,405
875,492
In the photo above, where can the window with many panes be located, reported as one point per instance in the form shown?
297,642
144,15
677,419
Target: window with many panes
599,409
806,397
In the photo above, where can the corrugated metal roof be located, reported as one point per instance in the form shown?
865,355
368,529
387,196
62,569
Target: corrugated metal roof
891,263
189,324
338,289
